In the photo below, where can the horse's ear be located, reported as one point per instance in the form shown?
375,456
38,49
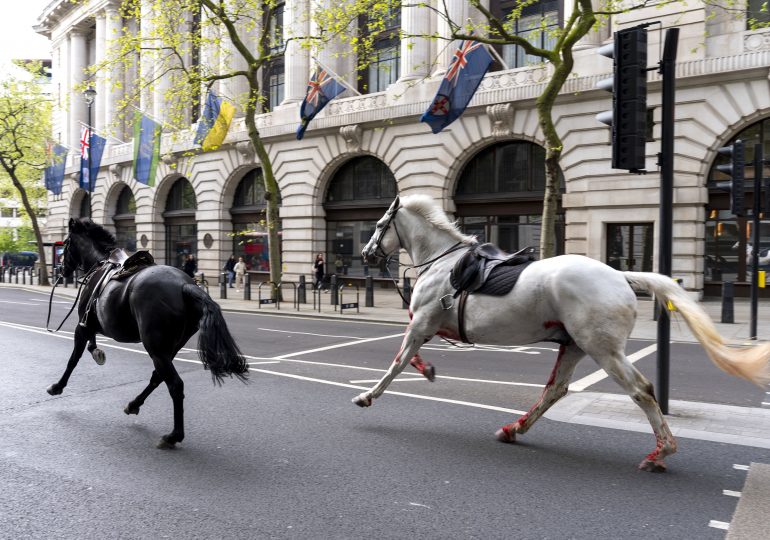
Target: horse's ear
72,223
394,205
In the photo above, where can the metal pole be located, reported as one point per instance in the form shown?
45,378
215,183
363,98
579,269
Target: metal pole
758,170
666,162
90,181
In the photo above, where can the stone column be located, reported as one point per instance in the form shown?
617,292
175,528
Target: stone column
78,64
237,88
61,78
333,54
113,83
457,11
98,117
594,38
297,58
147,58
415,51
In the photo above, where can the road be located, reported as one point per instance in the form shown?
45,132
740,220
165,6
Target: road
290,456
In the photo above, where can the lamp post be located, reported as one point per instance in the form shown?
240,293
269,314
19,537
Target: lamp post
89,95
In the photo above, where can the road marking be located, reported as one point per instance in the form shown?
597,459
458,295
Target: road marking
596,376
307,333
731,493
339,346
18,303
719,525
397,379
766,403
738,467
265,362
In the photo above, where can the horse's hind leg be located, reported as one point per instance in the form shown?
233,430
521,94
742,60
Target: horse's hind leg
82,336
135,404
555,389
96,352
168,374
642,392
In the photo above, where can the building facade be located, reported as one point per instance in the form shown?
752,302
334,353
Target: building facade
486,168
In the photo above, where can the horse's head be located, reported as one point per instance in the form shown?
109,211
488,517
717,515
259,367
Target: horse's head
385,239
86,244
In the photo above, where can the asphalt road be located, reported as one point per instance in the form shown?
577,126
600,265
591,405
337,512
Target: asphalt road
289,456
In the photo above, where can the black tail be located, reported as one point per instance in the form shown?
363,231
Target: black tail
216,347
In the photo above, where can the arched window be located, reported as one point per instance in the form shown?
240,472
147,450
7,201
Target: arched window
250,233
727,237
380,49
124,219
358,195
84,210
499,196
181,228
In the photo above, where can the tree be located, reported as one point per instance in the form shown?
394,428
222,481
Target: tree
168,51
25,116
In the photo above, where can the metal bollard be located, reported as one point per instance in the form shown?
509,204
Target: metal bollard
223,285
366,270
333,293
247,286
728,309
407,293
369,294
23,276
17,275
302,291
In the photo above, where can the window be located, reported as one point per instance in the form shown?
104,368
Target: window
7,212
250,233
273,84
757,14
380,48
537,22
124,218
362,179
181,197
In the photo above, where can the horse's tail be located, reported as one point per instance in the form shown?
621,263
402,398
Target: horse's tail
217,349
750,363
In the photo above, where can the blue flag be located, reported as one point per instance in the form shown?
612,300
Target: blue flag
214,123
469,65
85,170
54,173
321,89
147,134
95,152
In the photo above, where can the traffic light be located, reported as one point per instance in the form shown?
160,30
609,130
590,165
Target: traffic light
628,85
734,170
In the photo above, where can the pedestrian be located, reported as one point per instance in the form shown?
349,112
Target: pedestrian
318,268
338,264
190,266
229,267
240,271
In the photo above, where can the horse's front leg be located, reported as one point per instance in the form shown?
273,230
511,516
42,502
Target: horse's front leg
409,347
82,337
96,352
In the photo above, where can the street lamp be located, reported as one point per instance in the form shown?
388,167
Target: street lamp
89,95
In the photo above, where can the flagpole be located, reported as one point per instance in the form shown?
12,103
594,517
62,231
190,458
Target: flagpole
100,133
151,117
336,77
497,56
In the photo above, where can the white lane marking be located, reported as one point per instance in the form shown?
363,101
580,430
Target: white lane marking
731,493
738,467
371,381
420,505
18,303
339,346
766,403
299,317
522,349
307,333
719,525
464,379
265,362
53,302
596,376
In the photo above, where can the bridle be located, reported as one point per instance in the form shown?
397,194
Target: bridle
82,281
379,252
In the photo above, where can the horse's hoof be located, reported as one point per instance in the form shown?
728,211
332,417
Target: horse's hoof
362,401
429,372
99,356
652,466
505,435
131,410
165,443
54,390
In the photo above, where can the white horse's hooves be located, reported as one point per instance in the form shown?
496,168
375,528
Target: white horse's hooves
362,401
506,436
99,356
652,466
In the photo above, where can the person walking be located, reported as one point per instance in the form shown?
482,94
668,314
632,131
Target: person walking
190,266
318,269
240,271
230,269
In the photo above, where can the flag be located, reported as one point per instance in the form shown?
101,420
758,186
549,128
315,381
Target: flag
95,152
85,170
321,89
213,125
471,61
54,172
146,148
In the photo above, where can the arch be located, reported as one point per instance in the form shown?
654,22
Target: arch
249,221
181,227
79,204
124,218
357,194
498,195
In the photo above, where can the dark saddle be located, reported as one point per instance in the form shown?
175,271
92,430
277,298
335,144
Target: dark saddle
486,269
127,265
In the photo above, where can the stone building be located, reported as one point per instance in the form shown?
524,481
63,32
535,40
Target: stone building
486,168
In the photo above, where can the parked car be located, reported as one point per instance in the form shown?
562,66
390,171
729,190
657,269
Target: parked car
18,258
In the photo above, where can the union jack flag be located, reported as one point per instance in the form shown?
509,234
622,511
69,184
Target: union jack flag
85,141
321,89
469,64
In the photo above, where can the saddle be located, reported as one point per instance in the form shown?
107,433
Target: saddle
486,269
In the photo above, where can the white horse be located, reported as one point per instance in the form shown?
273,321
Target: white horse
580,303
764,254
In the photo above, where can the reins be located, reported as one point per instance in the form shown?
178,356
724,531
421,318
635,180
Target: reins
82,281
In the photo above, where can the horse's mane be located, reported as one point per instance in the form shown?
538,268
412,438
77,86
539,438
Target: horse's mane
427,207
103,240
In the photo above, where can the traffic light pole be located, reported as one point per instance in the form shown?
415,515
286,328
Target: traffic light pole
666,163
758,172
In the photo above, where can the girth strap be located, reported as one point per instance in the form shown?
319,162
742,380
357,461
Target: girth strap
461,317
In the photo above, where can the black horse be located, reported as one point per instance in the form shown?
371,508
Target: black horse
157,305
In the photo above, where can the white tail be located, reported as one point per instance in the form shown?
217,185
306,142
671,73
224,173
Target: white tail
750,363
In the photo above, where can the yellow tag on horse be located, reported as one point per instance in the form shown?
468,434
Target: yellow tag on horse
761,276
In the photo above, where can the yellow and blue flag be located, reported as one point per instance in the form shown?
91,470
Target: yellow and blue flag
470,63
214,123
146,148
321,89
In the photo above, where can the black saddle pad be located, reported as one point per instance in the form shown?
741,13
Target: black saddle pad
502,279
486,269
